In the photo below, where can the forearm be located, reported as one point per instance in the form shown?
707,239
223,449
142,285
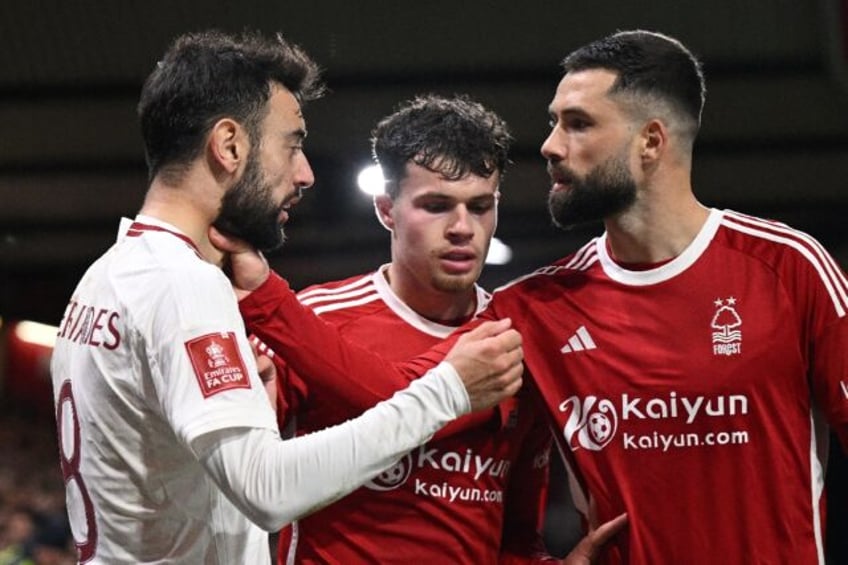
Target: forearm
312,347
331,366
274,482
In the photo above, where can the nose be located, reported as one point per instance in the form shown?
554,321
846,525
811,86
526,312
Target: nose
553,149
303,175
460,223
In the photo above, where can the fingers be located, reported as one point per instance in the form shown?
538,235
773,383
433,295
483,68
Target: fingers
607,530
498,386
266,368
226,243
590,547
512,380
510,341
490,329
246,267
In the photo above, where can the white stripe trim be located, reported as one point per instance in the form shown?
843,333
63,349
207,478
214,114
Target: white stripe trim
816,489
336,297
836,291
587,252
830,265
291,556
349,304
548,270
365,280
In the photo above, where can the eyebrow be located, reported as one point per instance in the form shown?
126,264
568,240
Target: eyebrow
568,110
299,133
452,198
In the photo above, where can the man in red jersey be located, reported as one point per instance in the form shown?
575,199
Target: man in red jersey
453,497
690,358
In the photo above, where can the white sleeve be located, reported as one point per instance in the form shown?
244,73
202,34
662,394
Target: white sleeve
274,482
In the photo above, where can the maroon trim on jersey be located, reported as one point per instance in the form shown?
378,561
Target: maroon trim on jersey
137,228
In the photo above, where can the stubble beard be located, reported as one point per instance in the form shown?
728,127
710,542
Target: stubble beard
454,284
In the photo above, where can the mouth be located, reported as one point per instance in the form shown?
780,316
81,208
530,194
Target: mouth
559,180
458,261
287,205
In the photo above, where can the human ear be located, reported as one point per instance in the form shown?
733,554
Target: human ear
654,139
228,144
383,208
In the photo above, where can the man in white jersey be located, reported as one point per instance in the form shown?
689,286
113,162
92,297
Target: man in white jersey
691,359
169,445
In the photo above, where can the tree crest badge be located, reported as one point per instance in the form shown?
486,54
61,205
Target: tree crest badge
726,324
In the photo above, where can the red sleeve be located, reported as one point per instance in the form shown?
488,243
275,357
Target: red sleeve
826,299
527,495
830,377
324,360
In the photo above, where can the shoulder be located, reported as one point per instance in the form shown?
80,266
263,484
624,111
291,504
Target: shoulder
346,295
160,273
796,258
568,270
773,242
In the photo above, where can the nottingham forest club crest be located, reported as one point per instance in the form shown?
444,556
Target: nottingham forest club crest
726,324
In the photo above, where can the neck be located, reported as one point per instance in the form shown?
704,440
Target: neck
445,307
659,226
188,207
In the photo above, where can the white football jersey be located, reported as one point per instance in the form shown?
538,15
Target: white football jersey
151,354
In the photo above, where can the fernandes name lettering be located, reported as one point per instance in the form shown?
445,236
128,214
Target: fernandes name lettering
90,325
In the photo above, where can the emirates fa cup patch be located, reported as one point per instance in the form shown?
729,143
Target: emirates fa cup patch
217,363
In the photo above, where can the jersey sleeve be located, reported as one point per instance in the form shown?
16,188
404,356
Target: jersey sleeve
274,482
829,374
526,496
201,364
318,357
819,290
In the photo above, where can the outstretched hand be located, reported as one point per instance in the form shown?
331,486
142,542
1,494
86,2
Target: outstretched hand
489,359
246,267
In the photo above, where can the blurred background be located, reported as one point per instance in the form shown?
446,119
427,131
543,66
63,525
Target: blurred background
774,143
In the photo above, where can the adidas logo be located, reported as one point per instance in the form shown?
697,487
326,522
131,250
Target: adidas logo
580,341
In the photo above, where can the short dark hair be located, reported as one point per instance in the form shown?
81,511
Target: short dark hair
206,76
451,136
652,68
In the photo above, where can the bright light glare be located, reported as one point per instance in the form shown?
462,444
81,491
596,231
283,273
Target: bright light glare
371,181
39,334
499,253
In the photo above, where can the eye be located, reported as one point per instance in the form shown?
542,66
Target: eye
577,124
435,206
481,208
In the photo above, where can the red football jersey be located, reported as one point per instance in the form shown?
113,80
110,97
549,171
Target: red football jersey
445,501
694,395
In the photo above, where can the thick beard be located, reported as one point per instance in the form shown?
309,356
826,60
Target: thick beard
249,213
607,190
